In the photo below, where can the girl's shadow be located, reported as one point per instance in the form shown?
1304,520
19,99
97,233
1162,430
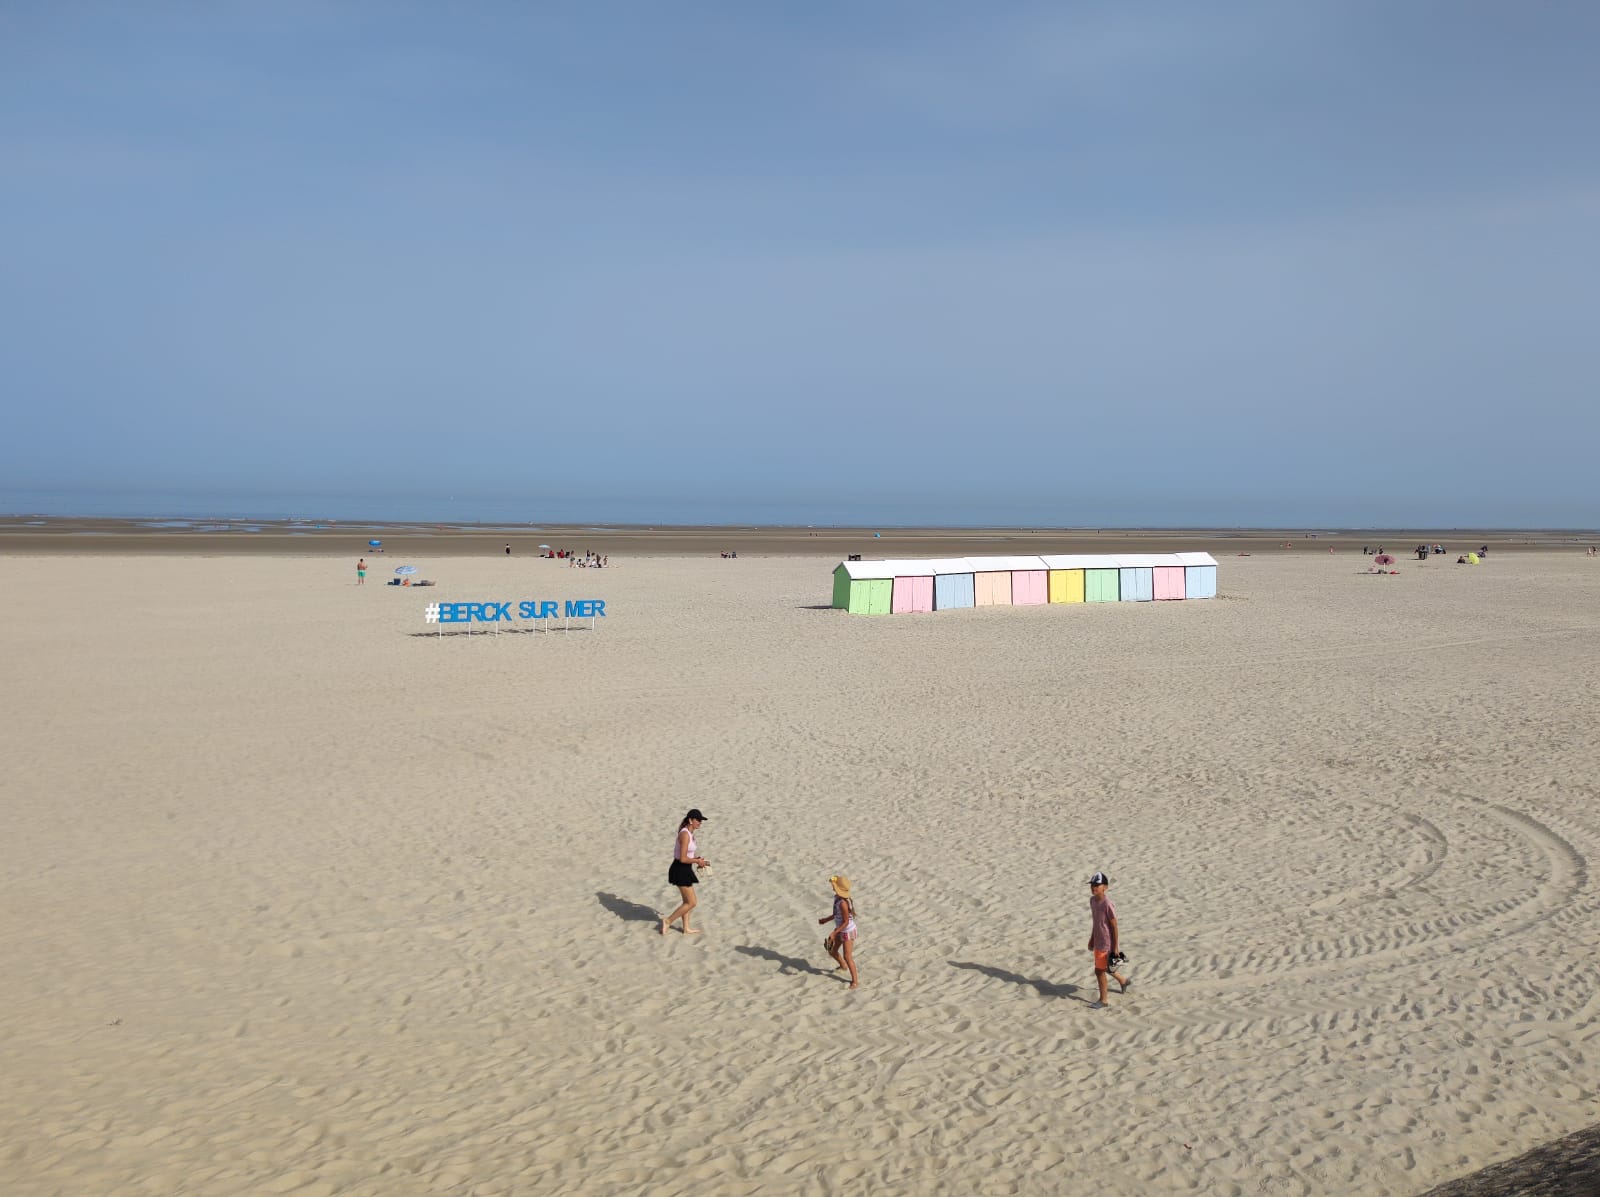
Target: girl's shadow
791,964
1045,988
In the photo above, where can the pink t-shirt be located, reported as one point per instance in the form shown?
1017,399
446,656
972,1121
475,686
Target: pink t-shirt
1101,912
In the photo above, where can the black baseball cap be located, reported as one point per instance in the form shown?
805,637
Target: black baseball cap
1099,879
695,814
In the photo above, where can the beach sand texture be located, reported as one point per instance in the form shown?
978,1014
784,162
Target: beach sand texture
301,898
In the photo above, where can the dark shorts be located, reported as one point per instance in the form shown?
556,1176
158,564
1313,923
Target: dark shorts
681,873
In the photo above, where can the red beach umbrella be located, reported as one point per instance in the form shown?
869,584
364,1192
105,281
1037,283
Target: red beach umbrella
1383,559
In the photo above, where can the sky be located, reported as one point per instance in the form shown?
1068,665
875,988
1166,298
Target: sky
1321,263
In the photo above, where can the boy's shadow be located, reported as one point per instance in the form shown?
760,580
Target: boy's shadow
1045,988
628,912
789,963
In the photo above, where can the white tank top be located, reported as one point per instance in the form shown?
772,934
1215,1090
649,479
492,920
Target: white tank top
693,851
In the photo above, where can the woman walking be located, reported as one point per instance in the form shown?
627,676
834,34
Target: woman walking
685,855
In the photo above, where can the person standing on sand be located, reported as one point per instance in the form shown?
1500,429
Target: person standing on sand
361,572
681,872
843,936
1103,937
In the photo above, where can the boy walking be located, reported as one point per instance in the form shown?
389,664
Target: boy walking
1103,937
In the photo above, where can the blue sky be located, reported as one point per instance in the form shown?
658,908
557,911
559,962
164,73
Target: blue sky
1323,263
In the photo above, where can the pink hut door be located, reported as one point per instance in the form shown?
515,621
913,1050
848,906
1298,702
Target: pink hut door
1029,587
913,594
1169,582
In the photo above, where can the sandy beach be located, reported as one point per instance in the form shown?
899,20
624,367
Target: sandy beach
303,898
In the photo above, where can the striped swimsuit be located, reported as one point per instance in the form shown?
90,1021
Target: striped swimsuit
847,930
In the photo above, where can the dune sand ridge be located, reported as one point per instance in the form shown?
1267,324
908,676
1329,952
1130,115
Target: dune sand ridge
301,898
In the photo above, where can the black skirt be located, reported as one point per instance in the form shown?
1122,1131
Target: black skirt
681,873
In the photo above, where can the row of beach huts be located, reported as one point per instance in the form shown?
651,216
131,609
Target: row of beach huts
899,587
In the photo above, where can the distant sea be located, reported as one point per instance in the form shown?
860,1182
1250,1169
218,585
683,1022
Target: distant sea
937,511
404,509
433,509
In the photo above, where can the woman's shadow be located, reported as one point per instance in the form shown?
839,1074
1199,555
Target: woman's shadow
1045,988
628,912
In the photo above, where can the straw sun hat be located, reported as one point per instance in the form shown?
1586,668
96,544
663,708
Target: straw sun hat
841,886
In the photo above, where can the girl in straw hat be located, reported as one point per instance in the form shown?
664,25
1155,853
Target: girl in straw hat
843,936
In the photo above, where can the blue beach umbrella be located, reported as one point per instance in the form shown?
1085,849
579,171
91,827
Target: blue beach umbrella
374,543
404,570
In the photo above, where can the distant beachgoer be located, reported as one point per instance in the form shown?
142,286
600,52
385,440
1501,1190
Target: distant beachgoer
361,572
843,936
681,872
1103,940
508,550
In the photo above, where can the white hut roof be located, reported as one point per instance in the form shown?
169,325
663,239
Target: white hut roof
949,565
1146,560
858,570
864,570
1079,561
1003,564
931,566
